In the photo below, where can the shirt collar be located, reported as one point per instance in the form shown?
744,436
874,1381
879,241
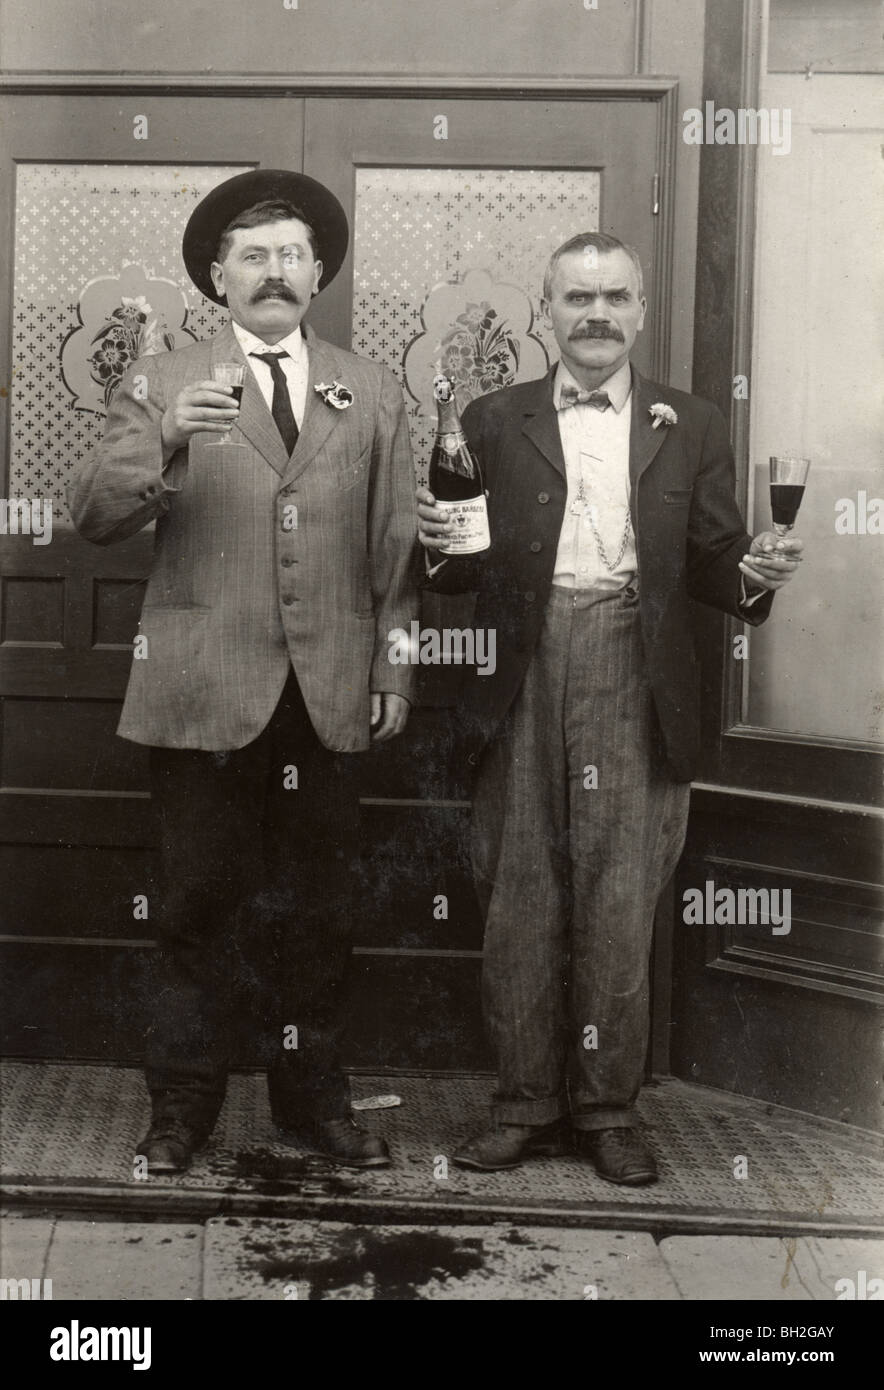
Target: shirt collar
617,386
294,344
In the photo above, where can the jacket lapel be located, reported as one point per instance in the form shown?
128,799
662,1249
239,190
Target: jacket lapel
255,420
541,424
319,417
644,440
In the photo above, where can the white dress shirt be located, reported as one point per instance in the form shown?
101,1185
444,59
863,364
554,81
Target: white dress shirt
294,366
595,444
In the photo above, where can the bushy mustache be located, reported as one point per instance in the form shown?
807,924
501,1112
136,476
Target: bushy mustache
600,332
278,291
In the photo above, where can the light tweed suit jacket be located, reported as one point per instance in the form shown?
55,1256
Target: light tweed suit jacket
261,562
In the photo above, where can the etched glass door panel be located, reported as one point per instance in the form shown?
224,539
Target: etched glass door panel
98,281
456,206
463,252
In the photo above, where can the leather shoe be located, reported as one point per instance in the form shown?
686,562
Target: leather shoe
169,1145
619,1155
343,1142
505,1146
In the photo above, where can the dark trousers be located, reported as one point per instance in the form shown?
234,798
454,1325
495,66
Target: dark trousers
255,911
577,824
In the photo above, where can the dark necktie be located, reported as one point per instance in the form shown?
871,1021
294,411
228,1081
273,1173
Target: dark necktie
282,405
569,395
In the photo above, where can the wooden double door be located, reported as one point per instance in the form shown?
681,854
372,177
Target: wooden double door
466,197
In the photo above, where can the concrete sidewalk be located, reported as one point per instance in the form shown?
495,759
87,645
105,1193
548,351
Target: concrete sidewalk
234,1258
753,1203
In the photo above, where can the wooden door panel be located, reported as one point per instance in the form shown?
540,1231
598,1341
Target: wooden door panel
381,158
91,595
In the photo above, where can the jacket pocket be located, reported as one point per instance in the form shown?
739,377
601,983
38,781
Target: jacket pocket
346,472
678,496
170,687
176,638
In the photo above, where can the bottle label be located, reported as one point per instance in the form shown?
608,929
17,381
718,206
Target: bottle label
471,521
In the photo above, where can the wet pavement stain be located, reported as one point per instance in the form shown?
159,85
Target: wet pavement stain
268,1172
384,1264
275,1174
516,1237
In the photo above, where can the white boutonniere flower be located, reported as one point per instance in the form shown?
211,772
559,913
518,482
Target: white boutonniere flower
335,395
662,415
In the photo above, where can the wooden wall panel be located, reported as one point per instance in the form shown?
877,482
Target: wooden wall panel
45,886
218,37
794,1018
404,1011
32,610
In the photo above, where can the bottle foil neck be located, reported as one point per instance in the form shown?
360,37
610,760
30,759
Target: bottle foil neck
448,418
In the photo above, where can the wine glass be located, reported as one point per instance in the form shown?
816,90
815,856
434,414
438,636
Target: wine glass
788,475
229,374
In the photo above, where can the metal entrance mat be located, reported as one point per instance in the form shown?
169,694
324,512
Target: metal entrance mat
69,1134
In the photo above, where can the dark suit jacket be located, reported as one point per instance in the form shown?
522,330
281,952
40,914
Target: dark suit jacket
689,533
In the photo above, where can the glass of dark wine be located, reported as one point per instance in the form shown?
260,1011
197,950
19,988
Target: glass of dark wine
788,475
229,374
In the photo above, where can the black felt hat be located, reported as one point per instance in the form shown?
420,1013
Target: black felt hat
217,210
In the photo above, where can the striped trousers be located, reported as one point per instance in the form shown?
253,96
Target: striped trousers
577,825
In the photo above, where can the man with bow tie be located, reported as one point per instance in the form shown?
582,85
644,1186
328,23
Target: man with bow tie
285,554
611,505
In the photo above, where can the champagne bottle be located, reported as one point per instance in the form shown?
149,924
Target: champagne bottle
456,478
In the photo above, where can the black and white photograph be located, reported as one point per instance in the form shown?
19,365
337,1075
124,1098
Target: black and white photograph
441,668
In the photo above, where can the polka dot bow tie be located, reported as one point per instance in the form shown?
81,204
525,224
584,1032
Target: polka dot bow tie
569,395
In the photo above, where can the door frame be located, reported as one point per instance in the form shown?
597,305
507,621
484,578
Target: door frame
776,766
660,92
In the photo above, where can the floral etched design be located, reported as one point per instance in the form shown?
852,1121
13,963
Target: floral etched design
479,333
131,331
119,319
480,353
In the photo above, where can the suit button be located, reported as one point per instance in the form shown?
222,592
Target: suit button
530,596
543,496
288,601
534,547
287,561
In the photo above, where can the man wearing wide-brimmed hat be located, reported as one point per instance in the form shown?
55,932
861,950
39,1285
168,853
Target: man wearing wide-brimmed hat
283,557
